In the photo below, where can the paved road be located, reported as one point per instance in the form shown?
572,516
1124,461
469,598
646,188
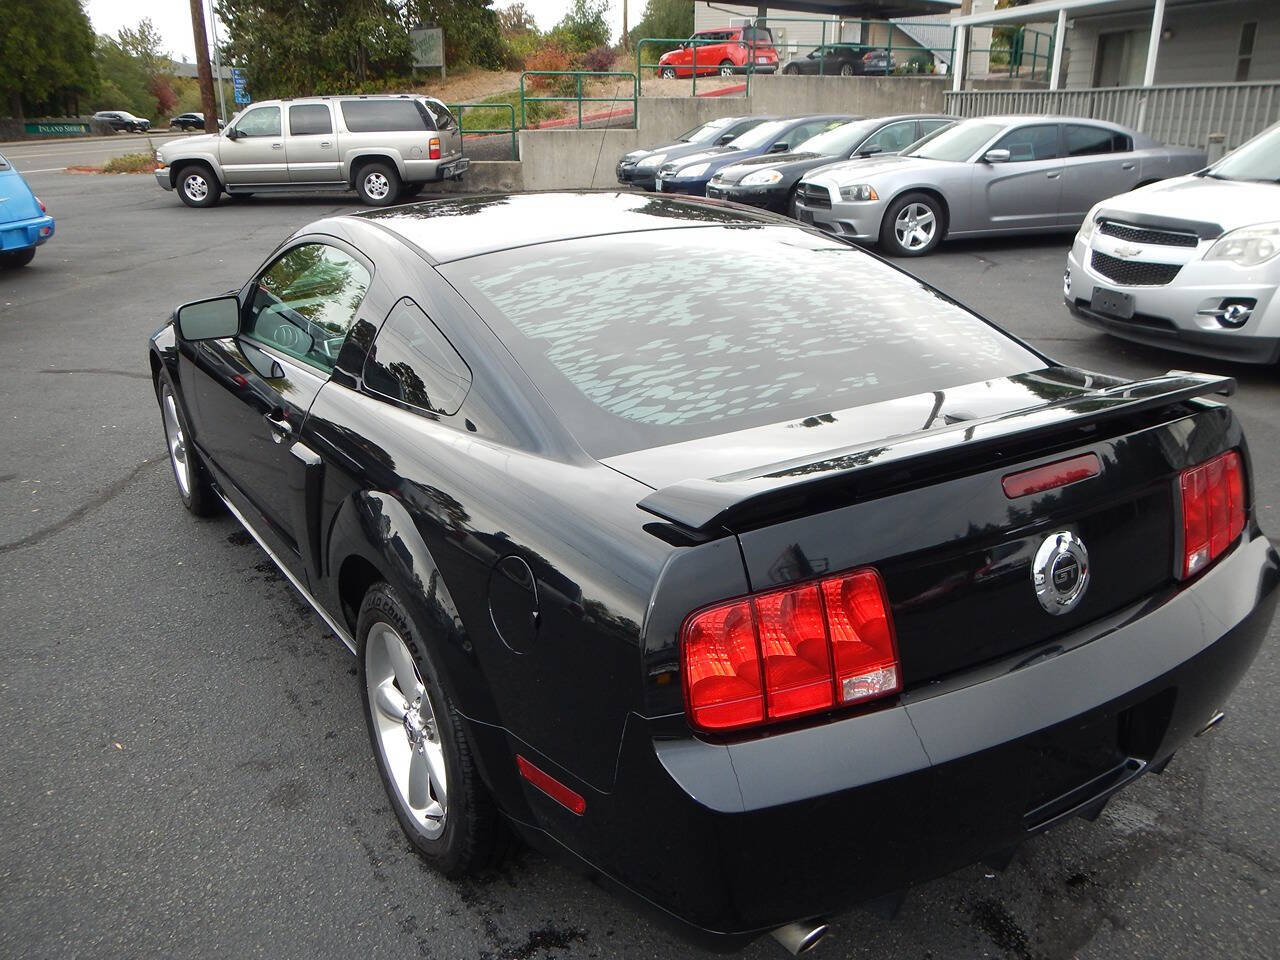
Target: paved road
185,769
49,156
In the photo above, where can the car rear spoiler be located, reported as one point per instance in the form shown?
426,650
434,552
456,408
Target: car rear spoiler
748,496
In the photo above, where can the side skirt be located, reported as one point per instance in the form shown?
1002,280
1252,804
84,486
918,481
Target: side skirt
306,594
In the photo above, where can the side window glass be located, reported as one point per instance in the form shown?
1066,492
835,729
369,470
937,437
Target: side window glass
928,126
260,122
307,119
304,303
413,362
1083,141
892,138
1038,142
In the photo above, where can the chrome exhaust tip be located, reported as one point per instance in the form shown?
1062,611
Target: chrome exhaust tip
1216,719
798,938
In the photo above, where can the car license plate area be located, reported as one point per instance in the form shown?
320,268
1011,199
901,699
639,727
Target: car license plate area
1113,303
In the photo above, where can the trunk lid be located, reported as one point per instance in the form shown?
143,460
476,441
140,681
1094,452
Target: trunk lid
16,199
913,487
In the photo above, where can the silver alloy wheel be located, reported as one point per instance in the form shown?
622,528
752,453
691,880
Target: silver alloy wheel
376,186
915,226
846,69
668,73
177,441
726,70
195,186
407,736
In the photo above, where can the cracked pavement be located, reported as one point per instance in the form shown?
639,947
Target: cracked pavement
186,771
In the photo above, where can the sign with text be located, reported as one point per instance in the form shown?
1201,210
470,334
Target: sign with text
428,46
238,82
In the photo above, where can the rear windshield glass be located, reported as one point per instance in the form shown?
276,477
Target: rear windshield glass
643,339
373,116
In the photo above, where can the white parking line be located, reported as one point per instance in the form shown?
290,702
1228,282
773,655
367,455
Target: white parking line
45,170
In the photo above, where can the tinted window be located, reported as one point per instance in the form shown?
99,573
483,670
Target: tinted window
928,126
412,361
1083,141
304,303
894,137
439,113
1039,142
309,118
259,122
372,116
647,338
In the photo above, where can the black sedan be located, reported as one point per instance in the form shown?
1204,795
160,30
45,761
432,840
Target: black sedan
757,605
190,121
639,168
770,181
844,60
123,120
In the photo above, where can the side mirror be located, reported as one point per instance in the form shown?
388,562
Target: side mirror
871,151
233,134
998,155
779,147
209,319
725,139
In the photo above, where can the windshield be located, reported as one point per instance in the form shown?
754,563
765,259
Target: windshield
959,142
659,336
1259,159
839,141
707,132
758,137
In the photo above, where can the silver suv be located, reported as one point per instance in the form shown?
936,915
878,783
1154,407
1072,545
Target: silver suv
383,147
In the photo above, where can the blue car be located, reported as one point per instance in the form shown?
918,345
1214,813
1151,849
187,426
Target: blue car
689,174
24,224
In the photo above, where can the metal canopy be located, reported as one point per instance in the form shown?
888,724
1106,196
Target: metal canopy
863,9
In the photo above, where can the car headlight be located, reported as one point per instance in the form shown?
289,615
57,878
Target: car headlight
761,178
859,191
697,170
1248,246
1089,225
653,162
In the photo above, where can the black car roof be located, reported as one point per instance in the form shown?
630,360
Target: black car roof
468,226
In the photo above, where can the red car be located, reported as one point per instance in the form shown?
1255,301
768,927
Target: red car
725,51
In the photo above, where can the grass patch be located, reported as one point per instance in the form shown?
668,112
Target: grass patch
480,118
130,163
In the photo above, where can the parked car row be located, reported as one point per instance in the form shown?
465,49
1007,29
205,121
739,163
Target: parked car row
908,182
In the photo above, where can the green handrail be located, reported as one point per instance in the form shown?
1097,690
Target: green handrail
458,108
578,76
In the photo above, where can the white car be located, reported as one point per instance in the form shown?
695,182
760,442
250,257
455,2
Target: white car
1189,264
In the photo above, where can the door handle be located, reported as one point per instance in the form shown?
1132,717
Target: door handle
325,143
277,146
1055,175
1127,166
281,428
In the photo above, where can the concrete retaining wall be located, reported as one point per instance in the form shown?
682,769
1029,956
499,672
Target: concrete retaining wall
577,159
486,176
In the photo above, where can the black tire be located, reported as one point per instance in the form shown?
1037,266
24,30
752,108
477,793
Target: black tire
727,68
378,184
917,246
197,186
197,492
18,258
791,70
846,69
667,73
473,838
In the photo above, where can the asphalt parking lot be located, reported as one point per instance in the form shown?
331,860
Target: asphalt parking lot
186,770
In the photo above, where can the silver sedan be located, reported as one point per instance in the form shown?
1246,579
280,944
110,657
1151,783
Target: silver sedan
985,177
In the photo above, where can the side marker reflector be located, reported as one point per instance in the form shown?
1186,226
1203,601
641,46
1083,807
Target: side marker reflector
571,800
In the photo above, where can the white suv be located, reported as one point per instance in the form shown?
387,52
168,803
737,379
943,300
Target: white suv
383,147
1191,263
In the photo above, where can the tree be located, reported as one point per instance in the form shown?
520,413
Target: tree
671,19
471,32
515,20
46,55
584,27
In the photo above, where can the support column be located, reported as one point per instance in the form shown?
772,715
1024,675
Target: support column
1153,45
957,68
1059,41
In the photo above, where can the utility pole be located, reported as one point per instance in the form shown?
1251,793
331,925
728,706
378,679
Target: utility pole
217,63
623,40
202,67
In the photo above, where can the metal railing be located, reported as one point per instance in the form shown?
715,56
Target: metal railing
1176,114
574,78
1016,54
457,110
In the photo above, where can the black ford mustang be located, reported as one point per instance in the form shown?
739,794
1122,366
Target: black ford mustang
725,559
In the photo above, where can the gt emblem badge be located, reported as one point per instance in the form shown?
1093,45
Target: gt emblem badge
1060,572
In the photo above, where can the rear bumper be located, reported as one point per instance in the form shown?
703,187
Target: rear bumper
25,234
432,171
729,840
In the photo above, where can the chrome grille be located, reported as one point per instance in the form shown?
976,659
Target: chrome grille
1133,273
1166,238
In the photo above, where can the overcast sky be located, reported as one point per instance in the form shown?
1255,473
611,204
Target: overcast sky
173,17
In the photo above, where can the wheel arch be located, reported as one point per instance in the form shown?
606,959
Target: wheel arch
928,190
177,165
361,160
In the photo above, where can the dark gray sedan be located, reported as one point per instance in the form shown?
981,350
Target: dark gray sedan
985,177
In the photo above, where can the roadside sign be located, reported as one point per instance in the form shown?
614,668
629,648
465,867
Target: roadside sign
238,82
428,47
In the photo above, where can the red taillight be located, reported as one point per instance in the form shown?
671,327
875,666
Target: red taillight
433,149
790,652
1212,510
40,204
1051,475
